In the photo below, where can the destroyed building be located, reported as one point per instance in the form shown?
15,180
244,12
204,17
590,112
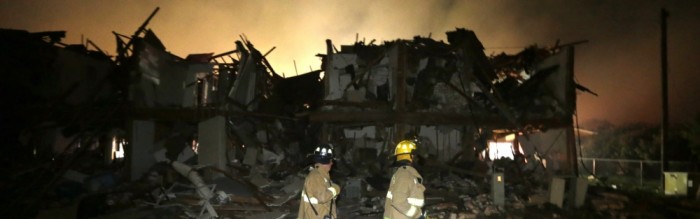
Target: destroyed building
450,94
224,135
459,104
81,119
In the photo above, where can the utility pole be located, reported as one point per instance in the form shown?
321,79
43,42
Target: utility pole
664,90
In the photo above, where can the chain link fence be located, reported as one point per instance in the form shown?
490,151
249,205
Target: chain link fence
628,172
623,172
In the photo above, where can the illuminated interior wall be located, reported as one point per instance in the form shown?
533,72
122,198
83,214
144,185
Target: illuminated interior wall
336,78
368,137
499,150
546,147
442,142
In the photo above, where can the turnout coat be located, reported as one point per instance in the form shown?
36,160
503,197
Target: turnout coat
318,194
405,196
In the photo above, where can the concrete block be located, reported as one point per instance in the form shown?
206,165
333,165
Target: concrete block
497,188
251,156
579,190
557,189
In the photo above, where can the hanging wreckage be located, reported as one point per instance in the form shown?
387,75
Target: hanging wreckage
225,121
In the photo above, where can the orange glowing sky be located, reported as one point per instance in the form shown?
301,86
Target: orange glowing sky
621,62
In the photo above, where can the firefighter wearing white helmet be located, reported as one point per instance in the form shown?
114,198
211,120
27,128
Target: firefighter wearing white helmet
319,192
405,196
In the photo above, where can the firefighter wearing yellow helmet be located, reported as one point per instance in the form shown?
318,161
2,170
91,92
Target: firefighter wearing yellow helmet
405,196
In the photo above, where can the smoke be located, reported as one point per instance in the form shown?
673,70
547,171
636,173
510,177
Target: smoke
621,62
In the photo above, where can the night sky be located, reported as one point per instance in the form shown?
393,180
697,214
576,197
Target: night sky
621,62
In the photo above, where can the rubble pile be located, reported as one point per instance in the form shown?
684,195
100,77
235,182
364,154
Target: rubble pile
610,202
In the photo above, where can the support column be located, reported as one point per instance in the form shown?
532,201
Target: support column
140,155
212,142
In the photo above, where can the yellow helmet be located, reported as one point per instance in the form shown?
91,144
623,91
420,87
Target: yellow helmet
404,149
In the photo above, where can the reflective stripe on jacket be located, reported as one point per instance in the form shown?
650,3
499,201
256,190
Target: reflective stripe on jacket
318,191
405,196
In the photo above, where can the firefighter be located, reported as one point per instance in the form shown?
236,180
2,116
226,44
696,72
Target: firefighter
405,196
319,192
